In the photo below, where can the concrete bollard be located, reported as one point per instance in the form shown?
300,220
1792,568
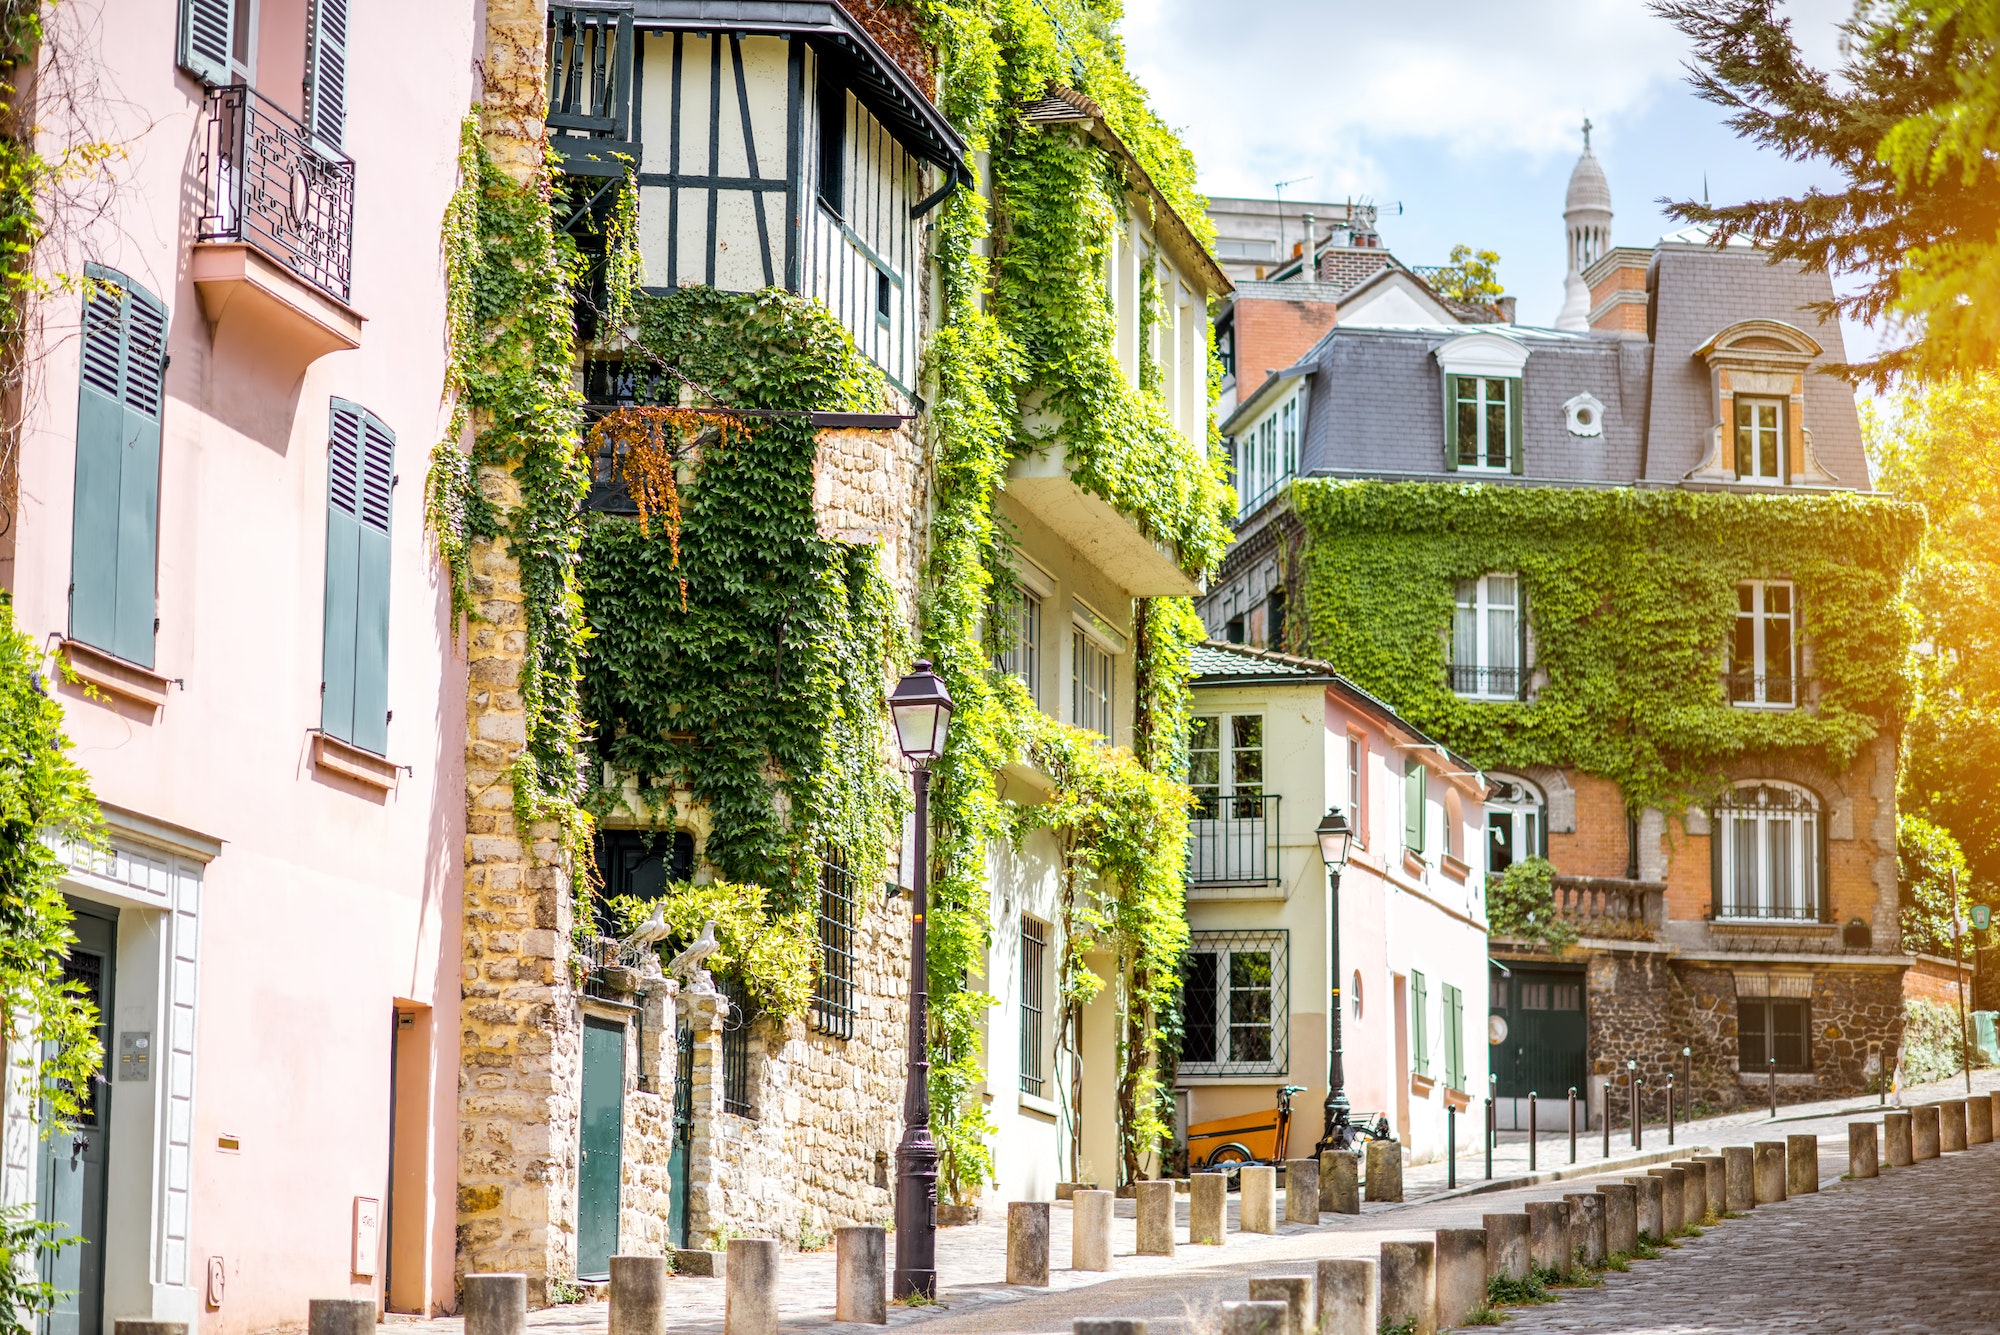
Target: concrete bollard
1924,1130
1673,1198
1740,1178
1951,1126
1694,1192
134,1325
1770,1170
342,1316
495,1304
1621,1217
1349,1297
1801,1165
1385,1171
1995,1101
1548,1236
860,1279
1899,1139
1027,1244
1295,1292
639,1291
1461,1274
1302,1191
1257,1210
1863,1157
1718,1183
1651,1208
1153,1202
1507,1245
1339,1182
1255,1318
1090,1229
1208,1208
1587,1237
1979,1121
1107,1325
750,1284
1409,1284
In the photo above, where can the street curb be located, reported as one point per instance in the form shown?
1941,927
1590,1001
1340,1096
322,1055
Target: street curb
1568,1173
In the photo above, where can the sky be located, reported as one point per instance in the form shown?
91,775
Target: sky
1464,114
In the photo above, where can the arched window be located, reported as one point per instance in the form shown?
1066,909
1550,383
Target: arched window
1516,822
1767,852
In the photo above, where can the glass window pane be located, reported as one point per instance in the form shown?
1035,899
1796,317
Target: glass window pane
1249,1006
1746,445
1780,835
1499,841
1496,424
1199,978
1246,756
1468,430
1752,1018
1777,663
1789,1035
1742,858
1767,441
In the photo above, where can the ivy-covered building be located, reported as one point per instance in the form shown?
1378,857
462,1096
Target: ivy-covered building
1635,572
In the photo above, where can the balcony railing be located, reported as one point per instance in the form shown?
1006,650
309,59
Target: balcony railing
265,184
1490,683
1732,911
1608,906
1233,840
1753,689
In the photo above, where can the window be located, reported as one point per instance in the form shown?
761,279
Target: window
1090,684
1267,454
1760,440
1414,778
1034,970
1489,638
1548,996
1354,789
1454,1037
832,144
1230,835
1483,422
1357,994
833,989
1420,1024
1763,652
114,536
1770,1028
354,670
1234,249
1515,828
216,37
1021,642
1274,620
1235,992
1767,852
640,863
735,1048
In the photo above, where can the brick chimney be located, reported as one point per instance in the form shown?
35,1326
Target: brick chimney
1617,282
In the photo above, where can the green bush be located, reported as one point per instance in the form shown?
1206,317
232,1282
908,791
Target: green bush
1521,902
1932,1041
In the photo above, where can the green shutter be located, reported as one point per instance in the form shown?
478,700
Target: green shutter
1451,423
326,72
1413,805
1454,1037
207,27
371,590
354,673
1516,446
1420,1036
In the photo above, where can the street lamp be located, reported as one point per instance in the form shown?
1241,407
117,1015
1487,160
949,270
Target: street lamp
921,708
1334,840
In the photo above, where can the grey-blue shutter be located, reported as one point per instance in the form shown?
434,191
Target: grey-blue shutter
355,659
343,544
326,73
206,29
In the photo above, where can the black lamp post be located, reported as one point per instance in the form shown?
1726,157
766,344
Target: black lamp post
1334,839
921,707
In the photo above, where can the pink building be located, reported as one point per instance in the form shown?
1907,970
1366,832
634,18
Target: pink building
219,537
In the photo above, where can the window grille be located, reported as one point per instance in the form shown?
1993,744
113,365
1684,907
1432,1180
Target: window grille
1235,1003
1034,972
735,1049
1767,853
1771,1027
1763,652
833,989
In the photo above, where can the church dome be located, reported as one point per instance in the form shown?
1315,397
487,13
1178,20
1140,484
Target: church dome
1587,187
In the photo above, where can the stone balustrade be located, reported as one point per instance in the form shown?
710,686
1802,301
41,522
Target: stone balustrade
1607,906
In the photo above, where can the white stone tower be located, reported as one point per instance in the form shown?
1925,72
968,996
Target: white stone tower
1587,221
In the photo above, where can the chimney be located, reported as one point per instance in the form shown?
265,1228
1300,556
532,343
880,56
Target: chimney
1306,261
1506,305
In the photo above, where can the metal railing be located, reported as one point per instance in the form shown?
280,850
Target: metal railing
1772,912
833,989
1034,961
265,183
1493,683
1769,690
1233,840
605,953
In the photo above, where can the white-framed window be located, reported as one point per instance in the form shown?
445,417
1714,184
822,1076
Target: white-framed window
1091,679
1267,453
1516,822
1018,626
1235,1004
1767,852
1489,638
1760,440
1231,830
1483,422
1357,753
1764,647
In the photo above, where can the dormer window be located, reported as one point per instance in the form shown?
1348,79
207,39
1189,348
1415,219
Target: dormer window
1482,403
1759,437
1267,452
1760,440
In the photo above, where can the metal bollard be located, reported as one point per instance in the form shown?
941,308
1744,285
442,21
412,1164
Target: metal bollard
1490,1119
1450,1148
1638,1110
1687,1087
1531,1131
1670,1107
1572,1123
1772,1080
1605,1117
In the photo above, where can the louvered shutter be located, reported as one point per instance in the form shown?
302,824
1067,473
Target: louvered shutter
1420,1029
354,684
1517,448
1451,423
326,73
206,28
1413,805
343,545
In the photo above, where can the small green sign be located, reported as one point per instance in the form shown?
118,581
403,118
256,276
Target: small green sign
1982,916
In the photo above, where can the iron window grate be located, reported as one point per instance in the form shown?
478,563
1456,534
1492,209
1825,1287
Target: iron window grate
1034,964
833,989
1235,1003
735,1049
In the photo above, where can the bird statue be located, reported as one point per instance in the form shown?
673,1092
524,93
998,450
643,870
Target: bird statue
687,965
654,929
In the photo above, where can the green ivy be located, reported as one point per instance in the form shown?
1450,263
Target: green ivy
1521,902
1631,598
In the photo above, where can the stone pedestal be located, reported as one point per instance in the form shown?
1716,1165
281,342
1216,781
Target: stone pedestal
1694,1192
1349,1298
750,1289
1717,1186
639,1294
1899,1139
1863,1154
1951,1126
1801,1165
1027,1244
1256,1318
1651,1206
1208,1208
1339,1183
340,1316
1739,1167
1548,1236
1673,1198
1770,1170
1385,1170
1924,1130
1621,1217
1586,1228
1090,1229
1408,1283
495,1304
1507,1244
1461,1274
1295,1292
1257,1203
1153,1203
860,1275
1302,1191
1979,1120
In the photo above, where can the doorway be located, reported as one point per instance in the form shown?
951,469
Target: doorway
1542,1037
72,1169
601,1158
683,1151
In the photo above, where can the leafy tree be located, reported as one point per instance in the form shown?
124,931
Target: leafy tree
1931,882
1910,120
1472,275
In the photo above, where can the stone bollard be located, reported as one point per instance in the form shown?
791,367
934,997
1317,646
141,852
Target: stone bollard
1951,1126
1385,1170
1770,1171
1461,1274
1409,1284
1255,1318
1107,1325
134,1325
1621,1217
1208,1208
1899,1140
1586,1228
639,1291
1801,1165
1339,1182
1924,1130
1863,1157
342,1316
1257,1209
1153,1202
1651,1209
750,1285
1090,1229
1995,1101
1718,1183
1295,1292
1548,1236
1027,1244
1979,1121
1302,1191
1694,1192
1673,1199
1349,1298
1507,1245
1740,1178
495,1304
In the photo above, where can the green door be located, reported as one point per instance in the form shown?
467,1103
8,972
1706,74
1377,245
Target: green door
1543,1050
677,1162
71,1187
601,1166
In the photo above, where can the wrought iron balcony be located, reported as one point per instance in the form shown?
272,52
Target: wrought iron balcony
1743,911
265,184
1233,840
1486,683
1760,690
